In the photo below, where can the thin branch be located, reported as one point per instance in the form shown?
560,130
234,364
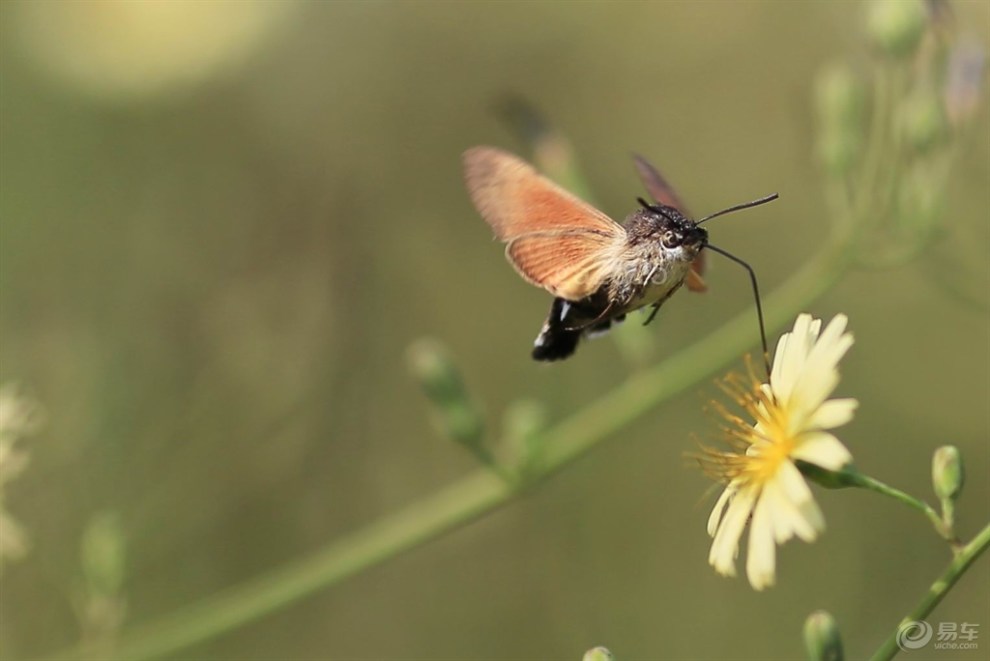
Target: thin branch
937,591
480,492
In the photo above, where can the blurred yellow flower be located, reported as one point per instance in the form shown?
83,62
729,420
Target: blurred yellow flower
790,416
123,49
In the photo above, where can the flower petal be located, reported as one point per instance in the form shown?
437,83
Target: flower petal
791,351
777,376
725,546
784,513
820,374
822,449
13,540
716,516
761,553
833,413
803,517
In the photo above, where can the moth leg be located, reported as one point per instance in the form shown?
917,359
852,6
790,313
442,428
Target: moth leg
601,317
568,321
656,308
602,327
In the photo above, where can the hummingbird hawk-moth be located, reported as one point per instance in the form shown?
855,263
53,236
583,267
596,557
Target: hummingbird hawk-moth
597,269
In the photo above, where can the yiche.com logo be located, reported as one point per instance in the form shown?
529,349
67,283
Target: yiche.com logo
914,635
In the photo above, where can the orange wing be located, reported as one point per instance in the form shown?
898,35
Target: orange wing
663,192
571,265
694,281
555,240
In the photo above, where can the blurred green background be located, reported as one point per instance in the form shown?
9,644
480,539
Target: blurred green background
224,223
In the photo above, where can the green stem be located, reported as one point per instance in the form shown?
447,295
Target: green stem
966,556
480,492
466,499
856,478
866,212
878,133
949,520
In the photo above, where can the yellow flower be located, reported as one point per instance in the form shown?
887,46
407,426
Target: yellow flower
790,418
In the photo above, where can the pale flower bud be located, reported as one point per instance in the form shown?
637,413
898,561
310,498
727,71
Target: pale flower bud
821,637
103,555
598,654
896,26
922,120
455,413
523,424
947,472
839,102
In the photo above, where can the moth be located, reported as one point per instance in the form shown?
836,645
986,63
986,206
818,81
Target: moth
597,269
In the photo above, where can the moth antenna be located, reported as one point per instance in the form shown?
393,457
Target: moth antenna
745,205
655,208
756,291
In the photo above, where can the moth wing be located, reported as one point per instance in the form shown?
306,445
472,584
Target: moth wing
657,186
555,240
516,200
661,191
694,281
571,264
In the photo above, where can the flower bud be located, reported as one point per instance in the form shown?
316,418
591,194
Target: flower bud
920,202
922,120
598,654
821,637
839,97
947,472
456,415
839,102
837,151
103,554
524,422
430,362
896,26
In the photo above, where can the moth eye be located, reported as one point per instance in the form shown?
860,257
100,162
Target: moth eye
670,239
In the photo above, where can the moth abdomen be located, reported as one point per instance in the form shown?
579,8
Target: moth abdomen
555,343
567,321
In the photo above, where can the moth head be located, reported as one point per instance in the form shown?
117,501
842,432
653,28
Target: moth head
674,229
689,236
